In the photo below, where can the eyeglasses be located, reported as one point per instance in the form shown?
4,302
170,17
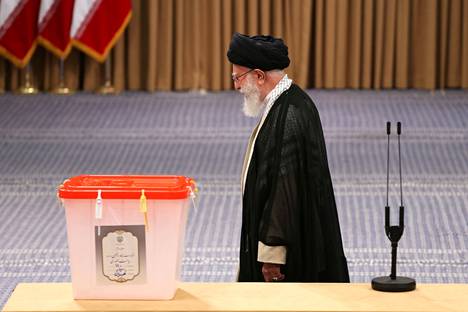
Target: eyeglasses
236,78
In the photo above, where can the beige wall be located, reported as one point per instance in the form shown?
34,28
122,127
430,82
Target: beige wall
181,45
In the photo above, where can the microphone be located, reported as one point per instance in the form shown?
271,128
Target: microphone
387,207
394,283
401,181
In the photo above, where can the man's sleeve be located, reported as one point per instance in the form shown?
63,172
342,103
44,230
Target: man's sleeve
271,254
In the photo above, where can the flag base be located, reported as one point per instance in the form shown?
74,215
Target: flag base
107,89
28,90
62,90
399,284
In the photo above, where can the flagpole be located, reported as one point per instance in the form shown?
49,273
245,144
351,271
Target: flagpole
62,89
28,87
107,88
2,85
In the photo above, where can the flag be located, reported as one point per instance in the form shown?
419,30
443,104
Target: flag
55,18
97,24
18,30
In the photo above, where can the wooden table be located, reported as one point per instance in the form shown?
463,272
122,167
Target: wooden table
252,297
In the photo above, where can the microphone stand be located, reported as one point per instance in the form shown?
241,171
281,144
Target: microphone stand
394,283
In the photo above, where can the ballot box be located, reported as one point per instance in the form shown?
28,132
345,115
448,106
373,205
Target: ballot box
125,234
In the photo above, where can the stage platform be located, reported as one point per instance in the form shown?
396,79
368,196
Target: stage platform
252,297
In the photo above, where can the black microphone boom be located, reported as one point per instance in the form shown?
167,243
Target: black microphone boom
394,283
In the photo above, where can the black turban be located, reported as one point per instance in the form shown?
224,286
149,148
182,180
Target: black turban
262,52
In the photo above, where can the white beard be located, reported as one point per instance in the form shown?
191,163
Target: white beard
252,105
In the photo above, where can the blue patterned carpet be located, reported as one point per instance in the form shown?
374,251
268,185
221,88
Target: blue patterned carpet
45,139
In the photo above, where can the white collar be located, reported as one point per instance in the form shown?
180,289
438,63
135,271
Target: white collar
274,94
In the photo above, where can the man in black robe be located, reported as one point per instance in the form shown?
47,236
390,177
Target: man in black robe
290,228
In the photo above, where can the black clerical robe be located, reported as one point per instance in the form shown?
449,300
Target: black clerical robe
288,198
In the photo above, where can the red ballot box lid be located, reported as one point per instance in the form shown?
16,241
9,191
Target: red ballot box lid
126,187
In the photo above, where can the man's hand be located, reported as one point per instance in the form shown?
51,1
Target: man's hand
272,272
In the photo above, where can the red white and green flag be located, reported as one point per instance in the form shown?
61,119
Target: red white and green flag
98,24
55,18
18,30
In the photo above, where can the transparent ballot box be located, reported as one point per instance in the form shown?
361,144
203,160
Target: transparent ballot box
125,234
